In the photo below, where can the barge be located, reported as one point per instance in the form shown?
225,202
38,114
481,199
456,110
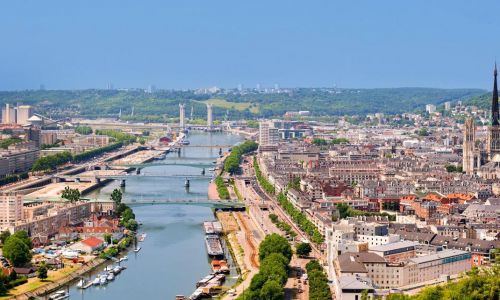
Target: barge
214,246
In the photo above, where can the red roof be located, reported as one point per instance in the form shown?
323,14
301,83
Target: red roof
93,242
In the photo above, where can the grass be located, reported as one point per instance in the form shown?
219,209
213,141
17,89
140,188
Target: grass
233,105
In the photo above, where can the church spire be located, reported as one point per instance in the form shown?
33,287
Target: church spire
494,100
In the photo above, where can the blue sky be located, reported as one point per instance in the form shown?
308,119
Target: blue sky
200,43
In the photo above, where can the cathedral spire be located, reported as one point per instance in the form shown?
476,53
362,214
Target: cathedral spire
494,100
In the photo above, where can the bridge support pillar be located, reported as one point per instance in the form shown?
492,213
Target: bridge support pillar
122,183
138,171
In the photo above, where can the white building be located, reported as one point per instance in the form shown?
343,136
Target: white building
268,133
447,105
24,112
430,108
11,209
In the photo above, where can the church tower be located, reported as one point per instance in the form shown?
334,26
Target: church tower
469,146
493,145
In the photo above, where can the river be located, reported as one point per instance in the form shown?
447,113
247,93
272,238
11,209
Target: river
173,256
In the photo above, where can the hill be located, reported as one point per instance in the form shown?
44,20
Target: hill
163,104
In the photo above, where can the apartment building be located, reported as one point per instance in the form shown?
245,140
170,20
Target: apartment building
11,209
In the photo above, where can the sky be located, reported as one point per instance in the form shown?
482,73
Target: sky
201,43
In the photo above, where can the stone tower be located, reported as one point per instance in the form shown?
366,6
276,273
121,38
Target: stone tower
210,122
493,145
182,115
469,146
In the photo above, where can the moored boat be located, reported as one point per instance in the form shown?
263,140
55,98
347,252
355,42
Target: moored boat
214,246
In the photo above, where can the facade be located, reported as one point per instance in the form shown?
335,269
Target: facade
182,115
469,146
430,108
24,112
268,133
8,114
17,161
11,209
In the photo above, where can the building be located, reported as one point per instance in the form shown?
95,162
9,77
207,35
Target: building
8,114
430,108
88,245
24,112
11,209
182,115
17,161
468,159
493,144
210,122
396,252
447,105
268,133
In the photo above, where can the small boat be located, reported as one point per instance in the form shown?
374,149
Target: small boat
96,281
220,266
59,295
137,249
81,283
124,258
103,279
110,276
117,270
142,237
186,183
108,268
203,171
185,142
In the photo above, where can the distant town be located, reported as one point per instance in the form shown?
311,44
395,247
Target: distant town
356,207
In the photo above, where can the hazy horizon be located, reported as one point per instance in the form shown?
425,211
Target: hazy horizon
194,44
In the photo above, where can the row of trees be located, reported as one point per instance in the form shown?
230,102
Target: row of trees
97,151
13,178
275,254
5,143
346,211
50,162
221,188
232,162
323,142
318,282
264,183
282,225
300,219
117,135
85,130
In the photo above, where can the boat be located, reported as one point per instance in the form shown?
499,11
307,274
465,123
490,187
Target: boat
214,246
185,142
209,228
111,276
96,281
142,237
137,249
205,280
59,295
103,279
203,171
219,266
108,268
186,183
81,283
123,258
117,270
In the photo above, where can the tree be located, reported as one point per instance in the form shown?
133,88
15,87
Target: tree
272,290
72,195
275,243
23,236
42,271
4,235
128,214
364,295
16,251
107,238
132,225
303,249
116,196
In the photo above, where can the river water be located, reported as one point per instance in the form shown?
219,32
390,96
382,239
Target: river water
173,256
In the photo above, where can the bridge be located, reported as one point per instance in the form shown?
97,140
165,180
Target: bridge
218,204
206,146
182,164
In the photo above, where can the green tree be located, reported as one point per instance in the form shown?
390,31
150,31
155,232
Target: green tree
23,236
116,196
132,225
42,271
274,243
16,251
128,214
4,235
272,290
72,195
303,249
107,238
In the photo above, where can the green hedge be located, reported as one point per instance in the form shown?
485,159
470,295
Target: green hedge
318,282
221,188
13,178
232,162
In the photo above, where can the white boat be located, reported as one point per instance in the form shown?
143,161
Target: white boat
59,295
137,249
110,276
117,270
96,281
103,279
124,258
81,283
